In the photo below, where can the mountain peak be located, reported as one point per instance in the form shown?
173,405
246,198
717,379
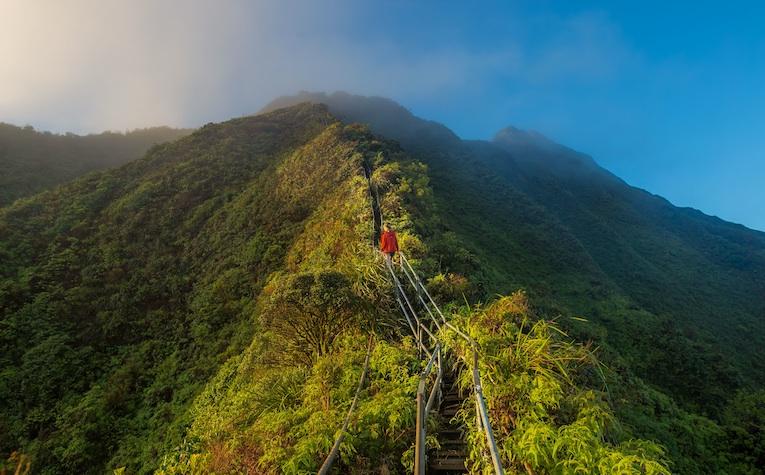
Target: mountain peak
534,148
384,116
514,135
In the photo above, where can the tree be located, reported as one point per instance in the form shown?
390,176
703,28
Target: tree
309,310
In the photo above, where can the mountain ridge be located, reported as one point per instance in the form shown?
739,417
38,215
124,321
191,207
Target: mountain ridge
140,303
346,106
644,244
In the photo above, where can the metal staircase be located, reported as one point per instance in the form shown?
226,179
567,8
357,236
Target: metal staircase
437,393
450,457
424,327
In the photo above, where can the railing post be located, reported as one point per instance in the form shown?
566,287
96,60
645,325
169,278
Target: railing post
476,378
419,339
419,445
440,378
477,410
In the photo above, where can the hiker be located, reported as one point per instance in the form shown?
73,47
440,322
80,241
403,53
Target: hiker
388,243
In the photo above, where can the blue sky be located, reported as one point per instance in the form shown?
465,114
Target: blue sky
669,96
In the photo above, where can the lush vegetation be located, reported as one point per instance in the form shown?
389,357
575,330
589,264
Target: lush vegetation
208,308
546,416
277,407
32,161
123,292
666,293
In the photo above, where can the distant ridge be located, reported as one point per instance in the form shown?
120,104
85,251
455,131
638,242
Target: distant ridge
32,161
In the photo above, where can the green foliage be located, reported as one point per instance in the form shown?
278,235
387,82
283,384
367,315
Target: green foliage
545,418
150,316
450,287
667,293
308,311
744,424
273,418
125,291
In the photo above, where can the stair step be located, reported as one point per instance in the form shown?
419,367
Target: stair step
447,445
450,434
448,463
450,453
452,402
450,458
456,447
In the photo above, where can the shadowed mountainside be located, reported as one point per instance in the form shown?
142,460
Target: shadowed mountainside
672,295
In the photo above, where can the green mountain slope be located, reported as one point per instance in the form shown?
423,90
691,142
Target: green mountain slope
208,307
702,271
32,161
549,219
123,291
671,295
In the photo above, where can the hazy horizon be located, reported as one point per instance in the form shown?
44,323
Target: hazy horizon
671,103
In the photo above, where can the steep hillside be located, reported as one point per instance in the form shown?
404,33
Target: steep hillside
32,161
673,296
122,292
276,408
208,308
699,269
549,219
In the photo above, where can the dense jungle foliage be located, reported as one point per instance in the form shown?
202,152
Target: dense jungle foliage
33,161
207,309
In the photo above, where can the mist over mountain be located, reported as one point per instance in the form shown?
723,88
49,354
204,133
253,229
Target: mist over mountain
208,307
32,161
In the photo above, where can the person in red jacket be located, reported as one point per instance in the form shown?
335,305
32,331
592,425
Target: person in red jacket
388,243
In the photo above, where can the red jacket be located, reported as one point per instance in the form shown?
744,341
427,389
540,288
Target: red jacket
388,242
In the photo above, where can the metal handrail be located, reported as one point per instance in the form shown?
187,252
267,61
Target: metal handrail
327,465
481,409
422,411
423,407
409,305
434,359
417,290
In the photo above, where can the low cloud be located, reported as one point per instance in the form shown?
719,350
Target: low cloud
89,65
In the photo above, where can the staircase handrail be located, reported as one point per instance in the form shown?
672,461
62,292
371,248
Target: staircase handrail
483,413
424,407
330,460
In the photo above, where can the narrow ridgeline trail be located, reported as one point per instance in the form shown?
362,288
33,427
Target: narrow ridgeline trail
441,373
439,397
438,394
450,457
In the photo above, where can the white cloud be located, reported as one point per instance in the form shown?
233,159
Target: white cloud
88,65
